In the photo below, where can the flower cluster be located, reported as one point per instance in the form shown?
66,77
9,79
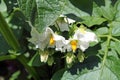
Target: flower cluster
80,39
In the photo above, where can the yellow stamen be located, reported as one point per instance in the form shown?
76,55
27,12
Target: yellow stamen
74,45
52,41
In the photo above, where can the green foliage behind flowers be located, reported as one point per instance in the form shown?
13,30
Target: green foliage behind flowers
58,40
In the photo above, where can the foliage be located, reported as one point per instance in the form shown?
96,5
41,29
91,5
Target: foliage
28,27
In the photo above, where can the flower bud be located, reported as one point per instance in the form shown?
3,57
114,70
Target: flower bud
44,56
81,56
70,58
50,61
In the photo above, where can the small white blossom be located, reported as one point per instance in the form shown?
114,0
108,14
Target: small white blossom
63,22
63,26
81,40
74,43
47,39
86,36
67,20
38,39
55,41
42,40
59,42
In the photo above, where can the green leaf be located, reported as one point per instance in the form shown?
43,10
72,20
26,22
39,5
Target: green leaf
58,75
3,6
22,5
48,12
117,8
103,47
8,34
17,21
108,10
116,28
70,8
35,61
117,16
15,75
109,71
102,30
117,47
28,7
5,47
117,5
93,20
96,10
113,64
113,53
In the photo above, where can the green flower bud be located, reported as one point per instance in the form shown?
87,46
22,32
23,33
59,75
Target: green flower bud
70,58
81,56
50,61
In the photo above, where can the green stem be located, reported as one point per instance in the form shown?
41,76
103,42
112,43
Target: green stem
109,37
106,50
8,33
103,35
30,69
115,39
7,57
13,42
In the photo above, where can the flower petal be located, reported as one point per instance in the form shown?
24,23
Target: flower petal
83,45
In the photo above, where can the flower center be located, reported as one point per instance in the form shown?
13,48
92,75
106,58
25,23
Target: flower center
74,45
52,41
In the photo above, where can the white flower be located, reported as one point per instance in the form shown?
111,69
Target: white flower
67,20
73,44
83,45
42,40
63,22
59,42
38,39
80,39
84,35
63,26
56,41
47,39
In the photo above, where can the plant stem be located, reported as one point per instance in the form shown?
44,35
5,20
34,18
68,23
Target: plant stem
103,35
13,42
115,39
106,50
8,34
7,57
109,37
30,69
